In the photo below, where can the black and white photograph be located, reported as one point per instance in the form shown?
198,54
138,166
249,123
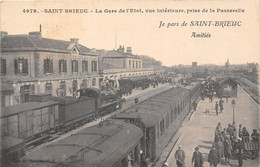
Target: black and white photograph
128,83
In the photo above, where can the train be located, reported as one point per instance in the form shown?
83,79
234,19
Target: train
127,84
109,143
34,120
134,137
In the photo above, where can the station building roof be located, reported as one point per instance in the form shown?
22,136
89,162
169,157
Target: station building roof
35,42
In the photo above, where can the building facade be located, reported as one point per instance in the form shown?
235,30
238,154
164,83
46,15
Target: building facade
31,64
115,64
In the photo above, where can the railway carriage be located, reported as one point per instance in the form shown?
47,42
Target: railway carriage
112,143
155,115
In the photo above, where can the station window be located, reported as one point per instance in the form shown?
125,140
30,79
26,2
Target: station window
63,66
21,66
94,66
48,88
74,65
48,66
3,66
129,63
84,66
94,82
74,86
62,88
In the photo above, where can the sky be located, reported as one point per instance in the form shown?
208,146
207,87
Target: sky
171,46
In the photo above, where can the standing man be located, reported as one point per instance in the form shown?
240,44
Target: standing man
180,157
136,100
195,104
197,158
240,131
216,108
227,149
238,147
213,158
221,105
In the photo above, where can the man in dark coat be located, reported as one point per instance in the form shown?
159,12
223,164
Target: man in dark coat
216,108
255,136
195,104
221,105
136,100
180,157
197,158
230,130
220,148
240,131
213,158
227,149
238,147
245,135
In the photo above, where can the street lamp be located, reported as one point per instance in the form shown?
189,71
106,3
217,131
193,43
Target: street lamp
233,105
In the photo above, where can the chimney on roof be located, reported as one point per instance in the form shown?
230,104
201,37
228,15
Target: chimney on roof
129,50
36,34
74,40
121,49
3,34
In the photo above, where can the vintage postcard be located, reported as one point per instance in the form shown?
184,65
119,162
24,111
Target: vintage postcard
128,83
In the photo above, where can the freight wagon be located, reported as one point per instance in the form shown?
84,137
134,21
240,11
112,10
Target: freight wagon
34,119
29,119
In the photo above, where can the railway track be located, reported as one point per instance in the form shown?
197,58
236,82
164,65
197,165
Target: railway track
252,91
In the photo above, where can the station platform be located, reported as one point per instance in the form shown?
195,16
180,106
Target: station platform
199,129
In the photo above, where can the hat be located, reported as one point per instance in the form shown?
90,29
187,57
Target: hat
197,148
239,139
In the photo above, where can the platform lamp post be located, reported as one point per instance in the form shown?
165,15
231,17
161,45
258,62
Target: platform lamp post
233,105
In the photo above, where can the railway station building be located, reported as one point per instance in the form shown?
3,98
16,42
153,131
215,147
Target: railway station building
32,64
115,64
227,87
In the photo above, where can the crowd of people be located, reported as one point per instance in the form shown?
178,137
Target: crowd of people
230,143
208,89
